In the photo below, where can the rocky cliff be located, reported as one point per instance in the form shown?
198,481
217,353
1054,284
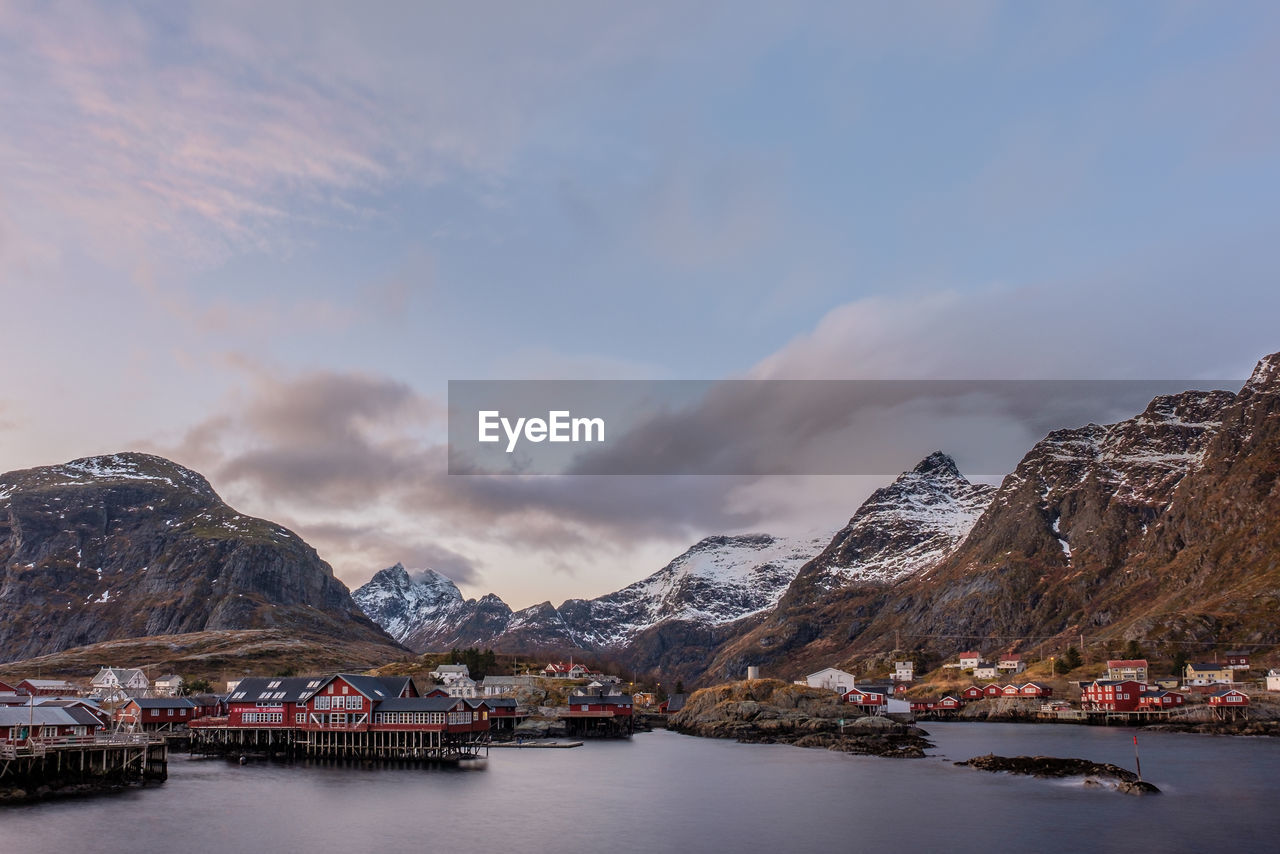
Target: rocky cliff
130,545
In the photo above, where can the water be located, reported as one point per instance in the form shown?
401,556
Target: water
666,792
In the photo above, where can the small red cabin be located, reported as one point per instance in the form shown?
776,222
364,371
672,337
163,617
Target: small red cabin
866,698
973,692
1036,689
993,690
1231,697
156,713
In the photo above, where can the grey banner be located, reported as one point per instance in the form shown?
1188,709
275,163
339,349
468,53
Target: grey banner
774,427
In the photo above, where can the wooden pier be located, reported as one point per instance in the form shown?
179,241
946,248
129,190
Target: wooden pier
87,763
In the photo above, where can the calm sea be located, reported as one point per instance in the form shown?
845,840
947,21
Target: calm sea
665,792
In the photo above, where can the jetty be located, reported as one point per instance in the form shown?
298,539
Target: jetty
39,768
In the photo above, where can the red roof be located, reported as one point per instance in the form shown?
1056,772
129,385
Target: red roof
1127,662
971,655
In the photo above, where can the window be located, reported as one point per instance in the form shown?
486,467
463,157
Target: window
155,713
322,702
300,718
169,713
275,684
346,689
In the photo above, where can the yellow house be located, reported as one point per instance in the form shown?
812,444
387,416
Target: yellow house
1207,673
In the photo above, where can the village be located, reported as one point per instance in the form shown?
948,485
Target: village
1124,691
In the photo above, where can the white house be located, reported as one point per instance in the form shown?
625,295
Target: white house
127,680
1273,679
903,671
462,686
1012,663
447,673
169,684
497,686
832,679
970,660
986,670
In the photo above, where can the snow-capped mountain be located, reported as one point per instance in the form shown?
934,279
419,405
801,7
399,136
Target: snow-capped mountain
401,603
719,580
904,528
901,531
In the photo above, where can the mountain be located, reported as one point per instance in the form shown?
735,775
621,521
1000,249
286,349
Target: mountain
901,531
131,545
718,581
1163,528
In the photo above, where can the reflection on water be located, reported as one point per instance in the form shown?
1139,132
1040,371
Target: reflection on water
666,792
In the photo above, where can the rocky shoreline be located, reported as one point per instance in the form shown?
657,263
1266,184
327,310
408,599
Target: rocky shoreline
1055,767
767,711
19,795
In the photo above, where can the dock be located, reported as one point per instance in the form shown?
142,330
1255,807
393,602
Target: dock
86,763
542,745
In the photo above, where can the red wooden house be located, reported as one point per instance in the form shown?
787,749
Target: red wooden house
452,715
1011,690
270,702
6,688
46,723
993,690
504,712
1238,660
1105,695
973,692
867,699
618,704
47,688
156,713
1036,689
1231,698
1159,701
949,704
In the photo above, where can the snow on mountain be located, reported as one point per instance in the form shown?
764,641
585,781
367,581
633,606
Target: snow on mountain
404,604
717,581
902,529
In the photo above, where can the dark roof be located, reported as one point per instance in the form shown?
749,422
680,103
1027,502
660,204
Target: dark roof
1225,691
1207,665
162,702
676,702
395,685
500,702
276,689
373,687
84,716
607,700
419,704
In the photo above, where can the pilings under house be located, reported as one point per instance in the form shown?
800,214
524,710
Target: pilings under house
405,745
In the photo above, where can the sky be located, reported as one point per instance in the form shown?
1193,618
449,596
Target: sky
260,238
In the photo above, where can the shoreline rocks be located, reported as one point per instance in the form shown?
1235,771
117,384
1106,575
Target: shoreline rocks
767,711
1055,767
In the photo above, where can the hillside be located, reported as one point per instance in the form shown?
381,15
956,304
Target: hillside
133,545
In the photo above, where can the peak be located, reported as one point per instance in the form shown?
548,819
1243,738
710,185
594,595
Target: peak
937,464
1266,374
115,468
429,578
395,573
